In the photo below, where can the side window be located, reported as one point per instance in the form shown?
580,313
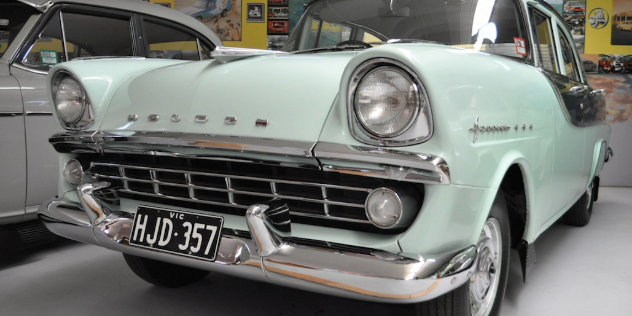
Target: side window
91,35
544,41
570,66
169,43
48,48
323,34
86,36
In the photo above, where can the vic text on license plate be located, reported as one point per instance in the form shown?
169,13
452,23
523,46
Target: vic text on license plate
183,233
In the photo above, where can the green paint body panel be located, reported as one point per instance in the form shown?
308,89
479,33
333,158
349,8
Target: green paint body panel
304,97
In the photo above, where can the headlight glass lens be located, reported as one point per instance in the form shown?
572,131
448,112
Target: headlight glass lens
386,101
70,100
383,207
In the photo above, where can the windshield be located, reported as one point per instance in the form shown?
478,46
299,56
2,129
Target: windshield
492,26
13,15
201,4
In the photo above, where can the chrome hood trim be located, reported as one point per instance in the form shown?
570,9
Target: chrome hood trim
375,162
225,54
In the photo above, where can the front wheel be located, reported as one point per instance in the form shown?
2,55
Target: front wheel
224,13
163,274
483,294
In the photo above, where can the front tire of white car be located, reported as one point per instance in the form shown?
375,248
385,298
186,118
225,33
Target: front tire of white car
163,274
483,294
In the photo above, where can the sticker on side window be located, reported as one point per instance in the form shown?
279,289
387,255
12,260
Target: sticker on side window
521,46
49,57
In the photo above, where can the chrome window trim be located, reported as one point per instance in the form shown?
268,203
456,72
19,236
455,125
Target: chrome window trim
35,71
408,137
13,50
562,104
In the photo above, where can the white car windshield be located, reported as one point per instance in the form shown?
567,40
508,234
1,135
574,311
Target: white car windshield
493,26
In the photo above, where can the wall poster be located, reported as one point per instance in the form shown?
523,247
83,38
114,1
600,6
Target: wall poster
222,16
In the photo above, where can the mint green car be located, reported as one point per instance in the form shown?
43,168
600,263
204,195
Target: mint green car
398,155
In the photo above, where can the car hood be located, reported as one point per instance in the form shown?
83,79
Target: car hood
190,10
294,93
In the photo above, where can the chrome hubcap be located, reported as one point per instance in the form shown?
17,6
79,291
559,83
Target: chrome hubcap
484,282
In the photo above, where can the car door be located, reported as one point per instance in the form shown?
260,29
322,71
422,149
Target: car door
87,33
15,22
569,174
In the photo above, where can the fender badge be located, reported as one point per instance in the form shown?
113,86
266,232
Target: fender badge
261,122
175,118
201,119
154,118
132,118
476,129
230,120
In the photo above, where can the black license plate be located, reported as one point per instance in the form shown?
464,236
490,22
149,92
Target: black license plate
178,232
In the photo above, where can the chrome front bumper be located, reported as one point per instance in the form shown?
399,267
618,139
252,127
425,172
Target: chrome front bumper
271,255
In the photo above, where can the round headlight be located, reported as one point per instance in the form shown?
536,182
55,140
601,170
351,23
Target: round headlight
383,207
386,101
70,100
73,172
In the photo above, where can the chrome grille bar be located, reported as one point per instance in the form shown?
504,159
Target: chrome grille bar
219,175
235,191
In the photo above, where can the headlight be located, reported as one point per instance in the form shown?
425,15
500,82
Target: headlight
388,105
386,101
71,102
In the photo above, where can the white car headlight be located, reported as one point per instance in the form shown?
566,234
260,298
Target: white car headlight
71,102
386,101
388,105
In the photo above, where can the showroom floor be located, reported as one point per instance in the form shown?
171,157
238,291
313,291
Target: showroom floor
579,272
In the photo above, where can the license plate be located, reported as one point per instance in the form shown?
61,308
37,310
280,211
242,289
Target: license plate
183,233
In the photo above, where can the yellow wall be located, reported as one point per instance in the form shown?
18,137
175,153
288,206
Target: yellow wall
253,35
598,40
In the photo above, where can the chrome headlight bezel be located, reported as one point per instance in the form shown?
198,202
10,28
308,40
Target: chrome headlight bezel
86,119
418,130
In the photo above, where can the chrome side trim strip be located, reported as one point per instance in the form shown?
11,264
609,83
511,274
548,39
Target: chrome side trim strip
38,113
11,114
387,163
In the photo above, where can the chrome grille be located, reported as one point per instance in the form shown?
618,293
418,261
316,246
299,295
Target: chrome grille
221,189
314,197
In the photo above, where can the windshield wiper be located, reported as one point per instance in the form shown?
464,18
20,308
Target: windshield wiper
330,49
410,40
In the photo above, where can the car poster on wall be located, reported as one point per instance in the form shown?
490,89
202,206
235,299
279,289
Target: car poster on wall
222,16
278,23
621,22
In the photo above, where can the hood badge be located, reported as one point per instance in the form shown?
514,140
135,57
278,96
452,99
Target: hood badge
230,120
201,119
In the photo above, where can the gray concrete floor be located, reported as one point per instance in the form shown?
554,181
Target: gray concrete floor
579,271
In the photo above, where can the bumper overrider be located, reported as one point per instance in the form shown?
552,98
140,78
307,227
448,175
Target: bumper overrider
268,251
269,255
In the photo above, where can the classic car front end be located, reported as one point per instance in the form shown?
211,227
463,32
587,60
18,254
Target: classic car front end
378,167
